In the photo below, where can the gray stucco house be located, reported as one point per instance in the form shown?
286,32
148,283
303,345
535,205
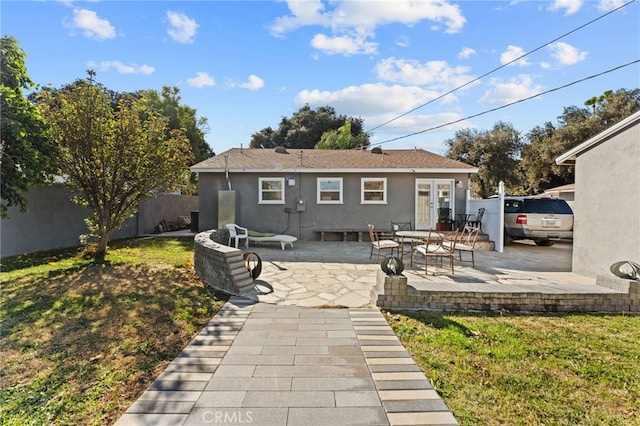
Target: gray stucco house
299,192
607,198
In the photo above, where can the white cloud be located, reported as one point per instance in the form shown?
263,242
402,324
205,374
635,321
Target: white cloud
514,89
609,5
565,54
437,74
364,101
569,6
466,53
511,54
91,25
403,41
356,21
122,68
181,28
253,83
202,79
343,45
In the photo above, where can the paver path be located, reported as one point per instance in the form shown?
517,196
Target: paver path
264,364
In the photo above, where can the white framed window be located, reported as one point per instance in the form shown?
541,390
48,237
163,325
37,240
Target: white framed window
271,190
374,191
329,190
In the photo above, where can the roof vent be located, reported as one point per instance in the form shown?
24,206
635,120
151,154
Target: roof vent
376,150
281,149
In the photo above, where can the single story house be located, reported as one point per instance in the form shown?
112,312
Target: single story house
566,192
303,191
607,198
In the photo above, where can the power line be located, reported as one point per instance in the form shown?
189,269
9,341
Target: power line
500,67
511,103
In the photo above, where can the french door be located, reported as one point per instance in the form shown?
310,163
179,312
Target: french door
432,194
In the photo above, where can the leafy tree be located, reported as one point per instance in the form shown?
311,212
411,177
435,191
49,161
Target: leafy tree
574,126
342,138
182,117
27,155
494,152
112,157
305,128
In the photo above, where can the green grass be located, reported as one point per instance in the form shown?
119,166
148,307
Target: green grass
81,339
573,369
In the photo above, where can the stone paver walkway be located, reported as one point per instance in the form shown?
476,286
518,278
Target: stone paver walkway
264,364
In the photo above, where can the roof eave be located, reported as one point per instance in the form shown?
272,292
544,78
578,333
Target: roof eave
316,171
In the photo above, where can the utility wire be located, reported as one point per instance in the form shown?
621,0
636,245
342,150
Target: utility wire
500,67
511,103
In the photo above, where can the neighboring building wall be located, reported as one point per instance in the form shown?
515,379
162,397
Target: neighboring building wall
164,206
607,204
54,221
352,214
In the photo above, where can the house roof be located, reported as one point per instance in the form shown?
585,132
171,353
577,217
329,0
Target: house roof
570,187
570,156
324,160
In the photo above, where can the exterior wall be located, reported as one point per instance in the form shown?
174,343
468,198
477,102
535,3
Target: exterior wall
54,221
302,224
164,206
607,204
393,293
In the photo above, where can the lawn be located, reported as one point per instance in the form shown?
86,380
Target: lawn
573,369
81,340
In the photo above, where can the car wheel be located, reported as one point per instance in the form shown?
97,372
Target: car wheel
543,243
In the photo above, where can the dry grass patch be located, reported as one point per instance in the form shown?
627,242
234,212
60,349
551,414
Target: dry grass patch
82,340
573,369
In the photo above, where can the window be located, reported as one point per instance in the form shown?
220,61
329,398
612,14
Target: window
271,191
329,190
374,191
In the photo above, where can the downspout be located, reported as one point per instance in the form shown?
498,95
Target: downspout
226,169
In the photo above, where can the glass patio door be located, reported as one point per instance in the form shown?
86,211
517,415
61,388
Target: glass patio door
430,196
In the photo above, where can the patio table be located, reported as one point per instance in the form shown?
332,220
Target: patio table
426,237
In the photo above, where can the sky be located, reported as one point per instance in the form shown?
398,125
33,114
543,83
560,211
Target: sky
414,71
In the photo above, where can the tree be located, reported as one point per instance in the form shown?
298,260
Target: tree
574,126
183,117
495,152
342,138
112,157
305,128
27,155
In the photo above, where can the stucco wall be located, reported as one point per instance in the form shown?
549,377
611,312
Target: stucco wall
54,221
607,204
352,214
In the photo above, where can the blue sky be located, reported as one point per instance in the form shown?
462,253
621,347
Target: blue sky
246,64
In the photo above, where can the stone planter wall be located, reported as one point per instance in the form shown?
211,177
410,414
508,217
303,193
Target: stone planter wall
219,266
394,294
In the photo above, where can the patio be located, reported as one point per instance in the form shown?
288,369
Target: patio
341,274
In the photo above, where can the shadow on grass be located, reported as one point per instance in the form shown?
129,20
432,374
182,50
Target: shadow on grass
94,335
437,321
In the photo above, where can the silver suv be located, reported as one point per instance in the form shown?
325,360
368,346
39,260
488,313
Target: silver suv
538,219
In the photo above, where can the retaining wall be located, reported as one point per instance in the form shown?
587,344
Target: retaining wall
219,266
393,293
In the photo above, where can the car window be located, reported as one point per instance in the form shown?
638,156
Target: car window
547,206
512,206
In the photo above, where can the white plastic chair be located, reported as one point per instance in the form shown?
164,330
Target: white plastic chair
237,233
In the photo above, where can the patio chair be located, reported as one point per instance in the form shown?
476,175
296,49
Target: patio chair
466,242
438,250
237,233
475,221
379,244
403,226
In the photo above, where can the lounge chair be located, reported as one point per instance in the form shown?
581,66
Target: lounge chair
259,237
